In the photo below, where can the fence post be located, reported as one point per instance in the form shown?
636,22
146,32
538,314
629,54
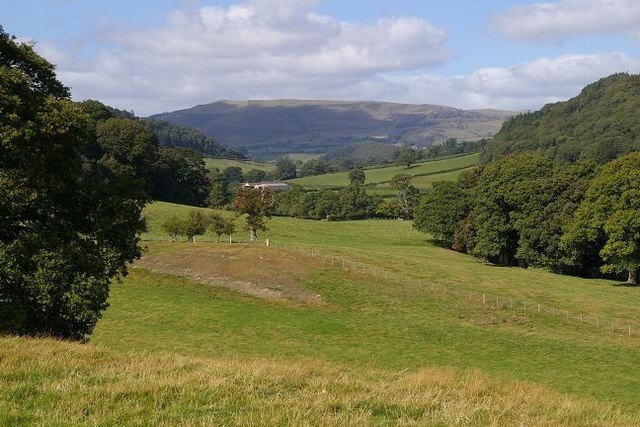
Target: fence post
484,301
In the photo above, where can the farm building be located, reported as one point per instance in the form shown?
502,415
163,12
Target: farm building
271,185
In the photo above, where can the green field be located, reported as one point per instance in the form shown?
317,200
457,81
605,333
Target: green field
221,333
246,166
447,168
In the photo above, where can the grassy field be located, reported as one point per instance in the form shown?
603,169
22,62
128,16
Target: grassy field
249,334
420,171
246,166
54,383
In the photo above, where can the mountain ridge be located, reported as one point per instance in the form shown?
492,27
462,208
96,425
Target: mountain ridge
298,125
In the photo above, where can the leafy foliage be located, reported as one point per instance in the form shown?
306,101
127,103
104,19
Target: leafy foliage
221,226
600,124
170,135
71,203
256,205
408,195
609,217
285,169
356,176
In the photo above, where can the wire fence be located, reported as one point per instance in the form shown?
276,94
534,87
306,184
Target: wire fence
486,300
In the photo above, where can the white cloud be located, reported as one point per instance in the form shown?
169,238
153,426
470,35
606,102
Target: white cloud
566,18
254,48
526,86
282,49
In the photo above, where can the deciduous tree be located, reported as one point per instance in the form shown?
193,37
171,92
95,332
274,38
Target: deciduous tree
69,218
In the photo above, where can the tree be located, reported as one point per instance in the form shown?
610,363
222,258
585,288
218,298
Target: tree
256,205
314,167
285,168
356,176
405,156
179,175
441,210
220,225
219,194
69,216
507,191
233,176
173,227
355,203
195,224
408,196
255,175
609,218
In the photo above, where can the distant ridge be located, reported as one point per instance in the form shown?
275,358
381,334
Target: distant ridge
291,125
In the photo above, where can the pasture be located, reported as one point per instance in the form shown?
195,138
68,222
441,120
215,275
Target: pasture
424,173
244,333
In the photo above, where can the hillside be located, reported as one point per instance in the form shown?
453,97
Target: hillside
378,179
336,323
170,135
286,126
601,123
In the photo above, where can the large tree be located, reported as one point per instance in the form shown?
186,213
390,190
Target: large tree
69,217
408,196
256,204
609,218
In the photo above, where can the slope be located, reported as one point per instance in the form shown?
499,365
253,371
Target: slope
601,123
287,126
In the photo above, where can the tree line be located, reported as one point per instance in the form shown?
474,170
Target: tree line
580,218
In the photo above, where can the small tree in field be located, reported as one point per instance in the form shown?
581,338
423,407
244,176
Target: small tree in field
194,224
256,204
173,226
357,176
220,225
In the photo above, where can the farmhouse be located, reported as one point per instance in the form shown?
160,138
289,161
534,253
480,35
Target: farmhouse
271,185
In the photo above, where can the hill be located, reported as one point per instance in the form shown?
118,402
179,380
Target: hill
335,323
288,126
170,135
601,123
378,179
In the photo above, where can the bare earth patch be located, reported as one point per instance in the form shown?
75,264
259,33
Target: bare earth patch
265,272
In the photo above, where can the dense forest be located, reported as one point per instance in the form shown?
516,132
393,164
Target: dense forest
600,124
562,189
170,135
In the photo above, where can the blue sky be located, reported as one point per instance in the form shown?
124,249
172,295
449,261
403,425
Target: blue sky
162,55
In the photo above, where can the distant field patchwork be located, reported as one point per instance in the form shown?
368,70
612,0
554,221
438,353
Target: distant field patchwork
424,174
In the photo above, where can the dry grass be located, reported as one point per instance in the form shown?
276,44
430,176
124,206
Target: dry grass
267,273
44,382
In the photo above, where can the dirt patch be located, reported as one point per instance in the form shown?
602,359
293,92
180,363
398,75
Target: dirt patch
269,273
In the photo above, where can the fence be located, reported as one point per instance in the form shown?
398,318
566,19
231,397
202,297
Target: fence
486,300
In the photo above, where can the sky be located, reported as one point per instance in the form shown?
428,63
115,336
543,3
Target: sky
153,56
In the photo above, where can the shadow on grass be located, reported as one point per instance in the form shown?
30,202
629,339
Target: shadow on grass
626,285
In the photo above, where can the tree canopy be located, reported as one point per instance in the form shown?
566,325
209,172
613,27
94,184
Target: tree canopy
70,216
600,124
609,217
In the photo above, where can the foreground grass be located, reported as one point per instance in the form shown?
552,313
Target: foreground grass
44,382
